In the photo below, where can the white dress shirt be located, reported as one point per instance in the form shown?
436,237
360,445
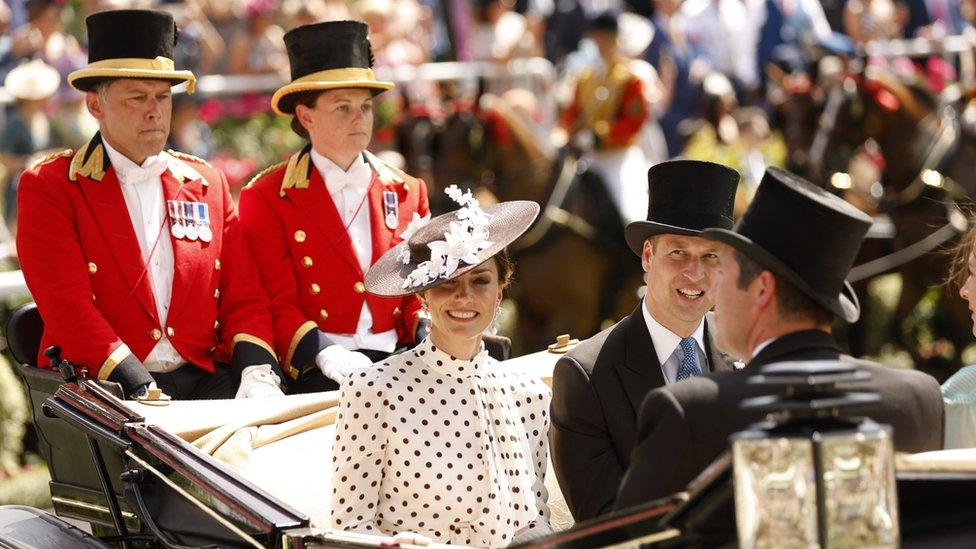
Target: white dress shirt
666,345
348,190
142,189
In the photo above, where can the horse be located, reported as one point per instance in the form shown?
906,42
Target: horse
574,273
927,173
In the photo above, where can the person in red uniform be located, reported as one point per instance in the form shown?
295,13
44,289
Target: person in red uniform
605,118
318,221
135,255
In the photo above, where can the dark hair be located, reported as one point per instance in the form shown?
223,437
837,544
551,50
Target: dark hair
793,304
506,267
292,100
959,264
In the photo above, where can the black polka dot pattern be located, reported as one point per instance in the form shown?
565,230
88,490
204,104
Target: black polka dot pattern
452,449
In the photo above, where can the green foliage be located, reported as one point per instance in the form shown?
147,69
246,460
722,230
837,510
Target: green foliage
14,415
264,138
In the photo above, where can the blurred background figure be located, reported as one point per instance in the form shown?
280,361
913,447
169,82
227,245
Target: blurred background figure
200,45
258,48
501,34
26,128
42,37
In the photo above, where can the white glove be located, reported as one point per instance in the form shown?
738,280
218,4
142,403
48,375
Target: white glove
259,381
338,364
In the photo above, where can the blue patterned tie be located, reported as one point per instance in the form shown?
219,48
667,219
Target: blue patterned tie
689,359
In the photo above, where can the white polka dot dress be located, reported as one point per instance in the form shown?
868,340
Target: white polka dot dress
452,449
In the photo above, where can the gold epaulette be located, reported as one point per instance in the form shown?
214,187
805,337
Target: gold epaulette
264,172
50,157
190,157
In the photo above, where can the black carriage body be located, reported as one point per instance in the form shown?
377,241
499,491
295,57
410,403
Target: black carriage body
114,470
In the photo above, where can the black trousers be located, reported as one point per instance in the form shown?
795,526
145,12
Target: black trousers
314,381
191,383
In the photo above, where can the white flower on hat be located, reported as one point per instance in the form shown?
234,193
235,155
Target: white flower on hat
415,224
463,240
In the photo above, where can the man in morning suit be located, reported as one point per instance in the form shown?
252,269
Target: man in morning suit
134,254
780,284
598,386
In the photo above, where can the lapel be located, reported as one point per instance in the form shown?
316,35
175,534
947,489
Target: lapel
311,197
186,272
380,233
639,369
802,345
100,186
717,360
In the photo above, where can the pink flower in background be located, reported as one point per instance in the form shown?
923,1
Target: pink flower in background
211,110
237,170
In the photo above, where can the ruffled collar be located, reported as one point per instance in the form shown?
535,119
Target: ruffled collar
445,364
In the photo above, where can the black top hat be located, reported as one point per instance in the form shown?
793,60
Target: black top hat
130,44
803,234
325,56
388,276
685,197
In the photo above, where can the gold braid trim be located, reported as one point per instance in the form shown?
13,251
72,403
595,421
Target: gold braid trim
264,172
93,167
248,338
120,353
296,175
301,332
50,158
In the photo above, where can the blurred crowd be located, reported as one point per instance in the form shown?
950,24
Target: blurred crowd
705,63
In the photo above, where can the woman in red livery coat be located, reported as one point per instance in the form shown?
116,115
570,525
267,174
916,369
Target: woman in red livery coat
318,221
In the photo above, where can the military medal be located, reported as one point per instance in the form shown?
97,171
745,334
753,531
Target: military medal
206,233
191,226
391,209
176,227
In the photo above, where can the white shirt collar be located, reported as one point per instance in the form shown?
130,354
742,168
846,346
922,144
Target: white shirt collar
359,171
762,346
123,164
665,341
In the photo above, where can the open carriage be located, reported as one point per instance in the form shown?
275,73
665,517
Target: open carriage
247,473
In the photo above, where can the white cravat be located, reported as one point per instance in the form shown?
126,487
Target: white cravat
143,193
348,190
666,346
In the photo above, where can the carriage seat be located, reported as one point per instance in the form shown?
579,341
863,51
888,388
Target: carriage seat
24,330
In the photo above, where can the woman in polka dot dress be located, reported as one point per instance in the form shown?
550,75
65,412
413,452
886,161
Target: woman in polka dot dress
442,440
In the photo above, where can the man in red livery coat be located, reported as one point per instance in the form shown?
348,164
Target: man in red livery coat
318,221
134,255
609,108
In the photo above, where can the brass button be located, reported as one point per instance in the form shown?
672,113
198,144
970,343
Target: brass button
216,325
314,289
396,311
92,268
156,334
170,331
217,293
299,236
323,314
217,264
406,187
359,287
307,261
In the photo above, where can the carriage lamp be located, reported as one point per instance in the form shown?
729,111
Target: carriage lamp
810,477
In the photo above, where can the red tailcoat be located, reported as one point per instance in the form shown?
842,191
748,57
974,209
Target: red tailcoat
613,106
83,265
307,263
